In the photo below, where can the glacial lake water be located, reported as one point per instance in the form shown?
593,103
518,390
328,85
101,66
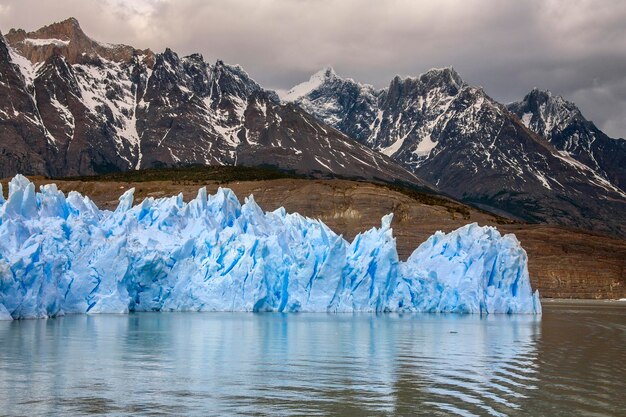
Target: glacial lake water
571,361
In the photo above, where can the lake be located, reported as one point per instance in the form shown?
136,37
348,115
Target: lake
570,361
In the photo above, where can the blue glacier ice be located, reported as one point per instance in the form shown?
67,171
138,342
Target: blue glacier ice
62,255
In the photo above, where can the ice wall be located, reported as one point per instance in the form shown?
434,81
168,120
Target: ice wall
61,255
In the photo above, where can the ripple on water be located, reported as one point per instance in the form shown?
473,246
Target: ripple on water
569,361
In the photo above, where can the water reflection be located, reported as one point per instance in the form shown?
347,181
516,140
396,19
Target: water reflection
306,364
454,363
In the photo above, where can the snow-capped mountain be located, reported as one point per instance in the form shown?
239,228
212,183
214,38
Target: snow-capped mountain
342,103
70,105
562,123
397,120
73,106
455,136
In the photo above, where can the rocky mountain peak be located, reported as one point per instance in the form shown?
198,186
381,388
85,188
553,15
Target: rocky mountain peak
442,76
68,29
170,55
539,95
65,30
321,77
58,34
439,81
234,81
537,98
196,57
326,73
67,37
169,62
562,123
233,78
546,113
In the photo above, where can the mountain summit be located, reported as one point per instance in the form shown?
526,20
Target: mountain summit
562,123
68,39
455,136
75,106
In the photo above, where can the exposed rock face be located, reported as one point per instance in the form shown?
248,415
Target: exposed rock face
68,39
23,138
342,103
458,138
566,263
562,123
87,108
394,121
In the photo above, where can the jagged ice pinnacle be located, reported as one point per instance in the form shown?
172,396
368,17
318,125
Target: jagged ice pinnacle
62,255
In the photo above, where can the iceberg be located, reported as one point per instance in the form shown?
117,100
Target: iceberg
63,255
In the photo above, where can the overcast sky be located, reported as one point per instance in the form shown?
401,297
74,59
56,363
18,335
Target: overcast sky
575,48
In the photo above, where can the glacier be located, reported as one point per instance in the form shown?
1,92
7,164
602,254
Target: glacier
63,255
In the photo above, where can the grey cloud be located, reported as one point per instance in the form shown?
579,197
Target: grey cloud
575,49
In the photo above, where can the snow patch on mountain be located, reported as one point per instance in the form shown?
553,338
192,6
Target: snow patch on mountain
394,147
307,87
47,42
27,68
425,146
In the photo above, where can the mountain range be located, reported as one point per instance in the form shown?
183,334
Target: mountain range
538,160
70,105
73,106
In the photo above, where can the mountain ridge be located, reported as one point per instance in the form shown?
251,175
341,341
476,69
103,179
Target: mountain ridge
67,38
69,112
563,124
100,115
470,146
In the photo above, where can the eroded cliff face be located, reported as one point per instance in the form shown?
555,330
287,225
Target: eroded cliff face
563,263
68,39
